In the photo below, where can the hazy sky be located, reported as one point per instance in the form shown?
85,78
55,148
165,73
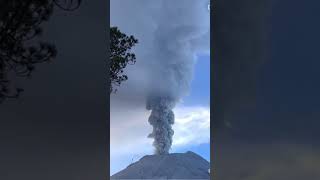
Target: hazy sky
129,119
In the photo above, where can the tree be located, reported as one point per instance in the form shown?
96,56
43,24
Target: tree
120,56
19,51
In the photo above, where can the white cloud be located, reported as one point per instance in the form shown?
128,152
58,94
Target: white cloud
192,126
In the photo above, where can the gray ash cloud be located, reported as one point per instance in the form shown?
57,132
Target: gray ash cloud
170,34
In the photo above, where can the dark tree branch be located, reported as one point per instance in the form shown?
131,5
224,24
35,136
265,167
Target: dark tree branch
120,56
20,22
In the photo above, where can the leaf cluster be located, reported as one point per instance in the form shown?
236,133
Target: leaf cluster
20,51
120,56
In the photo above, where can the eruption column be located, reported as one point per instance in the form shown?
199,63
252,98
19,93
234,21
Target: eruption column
180,31
162,119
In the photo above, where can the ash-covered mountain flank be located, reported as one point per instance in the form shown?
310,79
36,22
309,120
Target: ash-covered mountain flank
167,166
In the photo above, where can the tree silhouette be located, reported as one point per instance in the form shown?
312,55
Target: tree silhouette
20,22
68,5
120,56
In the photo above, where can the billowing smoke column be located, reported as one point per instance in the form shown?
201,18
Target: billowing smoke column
179,33
170,34
161,118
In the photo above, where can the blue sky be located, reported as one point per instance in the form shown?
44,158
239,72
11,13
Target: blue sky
199,96
200,87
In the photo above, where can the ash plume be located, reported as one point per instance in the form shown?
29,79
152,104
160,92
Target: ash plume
162,119
170,33
175,56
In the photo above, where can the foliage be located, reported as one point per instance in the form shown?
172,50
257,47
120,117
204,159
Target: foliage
20,22
120,56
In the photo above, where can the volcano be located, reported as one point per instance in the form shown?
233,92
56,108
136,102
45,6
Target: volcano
187,165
